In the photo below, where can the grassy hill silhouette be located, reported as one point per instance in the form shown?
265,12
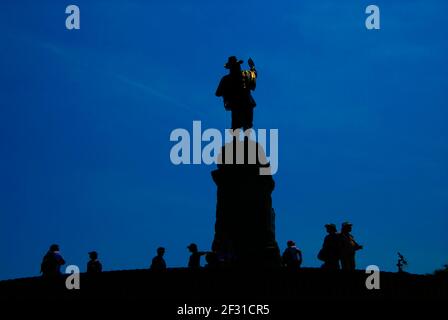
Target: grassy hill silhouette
206,285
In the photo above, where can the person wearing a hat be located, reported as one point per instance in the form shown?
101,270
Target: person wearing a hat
331,248
194,262
52,262
94,265
348,247
235,89
292,256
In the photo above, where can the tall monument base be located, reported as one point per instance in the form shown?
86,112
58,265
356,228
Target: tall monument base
245,219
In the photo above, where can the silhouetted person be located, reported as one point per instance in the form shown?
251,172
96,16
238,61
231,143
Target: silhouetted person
195,258
348,247
292,256
52,262
94,265
235,90
331,248
158,263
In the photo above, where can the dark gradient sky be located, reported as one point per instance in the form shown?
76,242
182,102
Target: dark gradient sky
85,119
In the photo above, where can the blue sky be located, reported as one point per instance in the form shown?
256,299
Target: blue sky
85,119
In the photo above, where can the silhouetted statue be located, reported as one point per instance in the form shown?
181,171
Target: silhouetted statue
194,262
292,256
245,219
401,262
235,90
52,262
94,265
158,263
348,247
331,248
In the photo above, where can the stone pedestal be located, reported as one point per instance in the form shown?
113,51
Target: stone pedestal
245,219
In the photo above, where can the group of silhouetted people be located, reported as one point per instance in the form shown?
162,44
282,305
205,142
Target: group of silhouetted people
53,261
338,252
194,262
339,248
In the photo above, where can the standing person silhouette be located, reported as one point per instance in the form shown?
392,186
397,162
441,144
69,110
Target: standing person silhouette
194,262
235,89
348,247
331,248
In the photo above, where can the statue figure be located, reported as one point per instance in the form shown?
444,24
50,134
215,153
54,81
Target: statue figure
235,89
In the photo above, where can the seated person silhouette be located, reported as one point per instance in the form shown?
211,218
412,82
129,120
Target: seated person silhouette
52,262
158,263
94,265
292,256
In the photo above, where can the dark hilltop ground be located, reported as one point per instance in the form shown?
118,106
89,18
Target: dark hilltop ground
224,286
